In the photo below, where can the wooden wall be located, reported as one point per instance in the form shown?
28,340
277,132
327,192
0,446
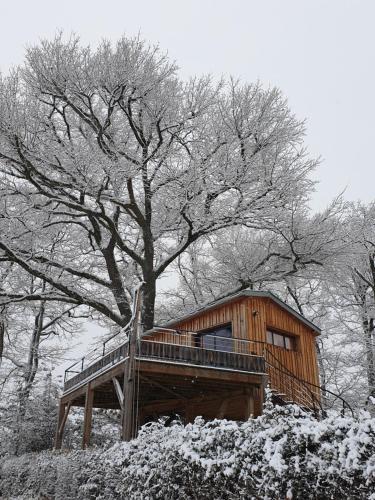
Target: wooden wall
264,313
233,312
250,318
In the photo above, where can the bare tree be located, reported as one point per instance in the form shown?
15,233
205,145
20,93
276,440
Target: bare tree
34,333
124,166
2,331
296,246
353,290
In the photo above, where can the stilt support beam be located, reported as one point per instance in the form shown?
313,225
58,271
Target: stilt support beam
250,410
87,421
118,390
128,410
63,415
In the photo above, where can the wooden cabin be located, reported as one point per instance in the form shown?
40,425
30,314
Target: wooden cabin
215,362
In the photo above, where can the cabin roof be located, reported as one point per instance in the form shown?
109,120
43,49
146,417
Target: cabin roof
242,294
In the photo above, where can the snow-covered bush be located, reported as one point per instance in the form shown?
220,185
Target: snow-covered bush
285,453
33,431
36,430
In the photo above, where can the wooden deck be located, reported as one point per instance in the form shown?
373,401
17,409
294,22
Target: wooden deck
169,378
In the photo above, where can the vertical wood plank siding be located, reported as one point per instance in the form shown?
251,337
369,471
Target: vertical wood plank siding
250,317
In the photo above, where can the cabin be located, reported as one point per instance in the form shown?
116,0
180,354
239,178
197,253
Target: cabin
215,362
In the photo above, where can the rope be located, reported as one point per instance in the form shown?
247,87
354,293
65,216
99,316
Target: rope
136,395
136,369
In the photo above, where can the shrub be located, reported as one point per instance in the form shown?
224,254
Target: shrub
285,453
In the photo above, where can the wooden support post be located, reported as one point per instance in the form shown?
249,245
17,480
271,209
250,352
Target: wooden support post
63,415
259,402
118,391
129,430
87,421
128,427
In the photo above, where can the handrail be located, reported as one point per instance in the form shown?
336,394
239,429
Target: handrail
100,350
169,352
314,400
81,365
208,348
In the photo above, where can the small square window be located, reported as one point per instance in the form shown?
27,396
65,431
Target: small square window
280,340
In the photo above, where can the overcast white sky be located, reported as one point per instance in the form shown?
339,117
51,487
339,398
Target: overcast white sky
320,53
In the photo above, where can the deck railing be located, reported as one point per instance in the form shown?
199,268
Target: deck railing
75,375
108,346
217,352
219,357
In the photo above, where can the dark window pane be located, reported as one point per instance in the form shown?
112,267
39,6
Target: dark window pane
223,332
269,337
208,341
288,343
219,339
223,344
278,340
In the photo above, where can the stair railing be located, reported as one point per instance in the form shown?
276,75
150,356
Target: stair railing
271,358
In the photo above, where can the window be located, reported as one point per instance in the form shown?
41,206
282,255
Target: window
217,339
280,340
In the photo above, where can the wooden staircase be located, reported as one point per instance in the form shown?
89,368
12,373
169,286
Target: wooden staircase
287,388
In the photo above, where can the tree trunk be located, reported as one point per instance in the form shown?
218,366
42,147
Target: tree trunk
149,295
117,284
129,419
29,372
368,330
149,277
32,362
2,333
322,370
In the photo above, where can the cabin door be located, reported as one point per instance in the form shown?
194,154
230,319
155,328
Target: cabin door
218,339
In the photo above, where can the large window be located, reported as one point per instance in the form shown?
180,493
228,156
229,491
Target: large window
217,339
281,340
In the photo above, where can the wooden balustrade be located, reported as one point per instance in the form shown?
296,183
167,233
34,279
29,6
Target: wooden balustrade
175,353
203,357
